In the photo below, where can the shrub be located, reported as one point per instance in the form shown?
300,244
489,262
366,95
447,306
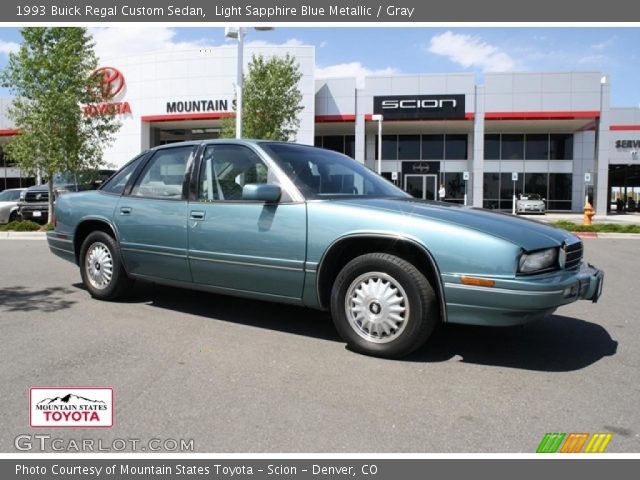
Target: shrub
598,227
21,226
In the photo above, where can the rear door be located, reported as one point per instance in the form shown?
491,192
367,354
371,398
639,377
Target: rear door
152,218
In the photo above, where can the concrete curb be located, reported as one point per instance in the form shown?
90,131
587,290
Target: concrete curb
23,235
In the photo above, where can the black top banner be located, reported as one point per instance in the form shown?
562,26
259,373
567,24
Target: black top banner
417,107
347,11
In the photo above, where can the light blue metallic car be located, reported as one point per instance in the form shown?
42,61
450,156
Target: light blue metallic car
297,224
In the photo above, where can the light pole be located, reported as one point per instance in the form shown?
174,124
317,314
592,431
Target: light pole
239,33
379,118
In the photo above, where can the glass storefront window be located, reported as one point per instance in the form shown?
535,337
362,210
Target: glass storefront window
536,147
560,186
491,190
389,147
506,190
350,146
561,146
333,142
454,187
512,147
432,147
409,147
455,147
536,183
492,147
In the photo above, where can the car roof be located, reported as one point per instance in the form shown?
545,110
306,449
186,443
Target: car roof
213,141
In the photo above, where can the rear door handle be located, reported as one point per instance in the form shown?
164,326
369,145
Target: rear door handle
197,215
125,210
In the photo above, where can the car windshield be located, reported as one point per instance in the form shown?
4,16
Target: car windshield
531,196
9,195
319,173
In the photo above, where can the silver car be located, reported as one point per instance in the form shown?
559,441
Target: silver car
9,204
530,203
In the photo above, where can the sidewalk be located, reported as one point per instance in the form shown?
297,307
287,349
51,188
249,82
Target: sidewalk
23,235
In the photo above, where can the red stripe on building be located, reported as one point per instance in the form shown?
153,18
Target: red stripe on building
541,115
9,132
368,118
338,118
187,116
624,127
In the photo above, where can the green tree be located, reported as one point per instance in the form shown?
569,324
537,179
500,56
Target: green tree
51,78
271,100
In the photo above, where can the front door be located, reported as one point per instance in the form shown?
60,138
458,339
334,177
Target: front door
421,186
244,245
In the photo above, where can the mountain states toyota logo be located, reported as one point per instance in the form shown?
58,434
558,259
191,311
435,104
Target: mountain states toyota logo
78,407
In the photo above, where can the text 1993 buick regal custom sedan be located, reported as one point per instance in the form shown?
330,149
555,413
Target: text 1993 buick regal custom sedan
302,225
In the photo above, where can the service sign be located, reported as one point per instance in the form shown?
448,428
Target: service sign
419,107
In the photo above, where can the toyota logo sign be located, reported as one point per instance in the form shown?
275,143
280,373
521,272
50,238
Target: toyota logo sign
111,81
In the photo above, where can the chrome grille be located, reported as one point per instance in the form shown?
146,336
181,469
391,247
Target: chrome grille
574,254
36,197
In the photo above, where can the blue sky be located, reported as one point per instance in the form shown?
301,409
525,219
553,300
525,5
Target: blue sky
342,51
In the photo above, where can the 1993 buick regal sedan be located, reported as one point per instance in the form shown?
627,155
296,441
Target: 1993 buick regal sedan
297,224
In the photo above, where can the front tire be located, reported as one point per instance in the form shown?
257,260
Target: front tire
383,306
101,267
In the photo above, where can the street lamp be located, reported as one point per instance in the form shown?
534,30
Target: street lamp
379,118
239,33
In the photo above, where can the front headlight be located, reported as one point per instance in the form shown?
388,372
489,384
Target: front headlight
536,261
22,195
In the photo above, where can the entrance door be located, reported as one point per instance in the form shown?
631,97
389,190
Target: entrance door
421,186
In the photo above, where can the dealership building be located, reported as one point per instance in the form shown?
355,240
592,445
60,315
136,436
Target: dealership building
548,133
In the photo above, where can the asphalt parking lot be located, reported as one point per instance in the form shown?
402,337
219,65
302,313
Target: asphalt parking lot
244,376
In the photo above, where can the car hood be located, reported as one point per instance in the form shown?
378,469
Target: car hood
528,234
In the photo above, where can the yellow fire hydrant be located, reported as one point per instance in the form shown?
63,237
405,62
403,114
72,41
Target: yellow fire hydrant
588,214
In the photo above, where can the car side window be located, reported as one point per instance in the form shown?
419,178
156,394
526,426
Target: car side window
226,169
163,175
117,183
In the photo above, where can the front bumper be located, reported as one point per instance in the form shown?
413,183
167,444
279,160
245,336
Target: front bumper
521,300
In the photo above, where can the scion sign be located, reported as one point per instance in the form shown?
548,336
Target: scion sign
420,106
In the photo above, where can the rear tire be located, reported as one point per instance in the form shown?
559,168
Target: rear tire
383,306
101,267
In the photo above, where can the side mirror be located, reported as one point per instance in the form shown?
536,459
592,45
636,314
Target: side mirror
261,192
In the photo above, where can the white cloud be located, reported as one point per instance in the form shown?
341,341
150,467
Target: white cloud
8,47
292,42
323,44
471,51
112,43
592,60
352,69
604,44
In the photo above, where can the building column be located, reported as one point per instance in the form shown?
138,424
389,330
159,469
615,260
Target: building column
476,162
602,152
359,127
